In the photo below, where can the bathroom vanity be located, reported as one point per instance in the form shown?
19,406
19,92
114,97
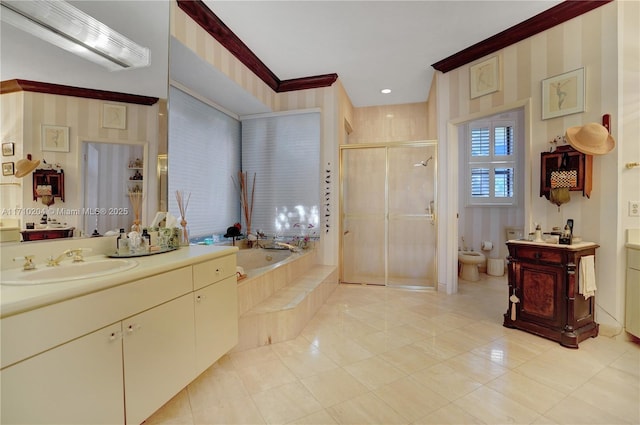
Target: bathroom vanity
544,298
114,349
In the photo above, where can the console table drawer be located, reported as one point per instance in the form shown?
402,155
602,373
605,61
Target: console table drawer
539,254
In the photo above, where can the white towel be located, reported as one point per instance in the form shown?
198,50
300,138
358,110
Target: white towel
587,277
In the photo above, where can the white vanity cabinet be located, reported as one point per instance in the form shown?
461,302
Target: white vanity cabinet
117,355
158,353
79,382
216,306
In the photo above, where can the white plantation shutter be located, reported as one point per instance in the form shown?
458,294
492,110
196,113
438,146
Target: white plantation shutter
284,153
491,163
203,155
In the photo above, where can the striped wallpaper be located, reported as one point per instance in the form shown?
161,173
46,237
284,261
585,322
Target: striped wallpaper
590,41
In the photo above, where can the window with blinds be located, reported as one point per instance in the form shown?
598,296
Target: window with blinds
203,156
491,160
284,153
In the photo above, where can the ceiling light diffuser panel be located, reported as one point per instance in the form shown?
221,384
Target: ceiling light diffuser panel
69,28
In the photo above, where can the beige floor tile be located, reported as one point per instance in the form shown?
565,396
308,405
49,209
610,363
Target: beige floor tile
629,362
446,381
176,411
383,341
493,407
626,387
230,411
286,403
374,372
449,414
526,391
561,368
213,385
478,368
334,386
308,363
253,356
318,418
265,375
409,359
508,352
366,409
572,410
410,399
345,352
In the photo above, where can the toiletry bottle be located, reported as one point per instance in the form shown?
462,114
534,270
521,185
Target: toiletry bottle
122,243
146,238
538,236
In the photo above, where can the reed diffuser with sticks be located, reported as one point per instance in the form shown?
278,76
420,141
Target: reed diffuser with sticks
246,201
183,203
136,205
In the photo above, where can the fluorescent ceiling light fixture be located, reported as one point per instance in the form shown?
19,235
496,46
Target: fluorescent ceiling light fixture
385,91
69,28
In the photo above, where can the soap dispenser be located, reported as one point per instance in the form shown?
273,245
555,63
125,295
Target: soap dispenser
538,234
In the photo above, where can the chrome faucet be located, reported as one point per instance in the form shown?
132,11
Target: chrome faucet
75,253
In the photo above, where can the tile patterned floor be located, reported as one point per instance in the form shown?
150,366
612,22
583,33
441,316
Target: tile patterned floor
375,355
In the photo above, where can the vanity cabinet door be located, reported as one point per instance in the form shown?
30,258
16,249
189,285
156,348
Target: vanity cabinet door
216,318
79,382
540,288
158,352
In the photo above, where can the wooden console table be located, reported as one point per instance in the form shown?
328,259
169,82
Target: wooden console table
545,279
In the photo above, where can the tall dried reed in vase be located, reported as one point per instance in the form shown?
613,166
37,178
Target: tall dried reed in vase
245,201
183,203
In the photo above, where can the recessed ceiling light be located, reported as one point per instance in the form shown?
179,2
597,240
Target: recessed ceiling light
385,91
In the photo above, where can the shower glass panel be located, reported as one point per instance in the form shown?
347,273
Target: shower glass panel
411,250
388,214
363,215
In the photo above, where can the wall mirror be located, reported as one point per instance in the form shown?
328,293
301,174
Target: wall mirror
68,69
113,178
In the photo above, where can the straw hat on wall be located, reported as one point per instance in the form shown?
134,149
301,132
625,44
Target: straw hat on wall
590,139
25,166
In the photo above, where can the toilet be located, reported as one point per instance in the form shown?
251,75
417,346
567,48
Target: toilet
470,260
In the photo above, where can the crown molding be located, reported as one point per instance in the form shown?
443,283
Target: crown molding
11,86
541,22
203,16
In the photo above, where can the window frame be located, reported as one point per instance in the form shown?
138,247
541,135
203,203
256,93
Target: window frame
491,162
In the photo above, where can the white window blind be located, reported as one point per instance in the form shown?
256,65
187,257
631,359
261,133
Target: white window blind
491,163
203,156
284,153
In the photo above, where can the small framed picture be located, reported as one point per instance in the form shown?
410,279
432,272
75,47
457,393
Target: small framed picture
55,138
7,169
563,94
114,116
8,149
484,77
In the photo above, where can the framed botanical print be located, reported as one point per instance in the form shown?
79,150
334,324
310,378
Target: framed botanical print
484,77
563,94
114,116
8,149
55,138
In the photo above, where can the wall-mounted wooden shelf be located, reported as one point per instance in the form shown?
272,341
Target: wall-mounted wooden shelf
551,161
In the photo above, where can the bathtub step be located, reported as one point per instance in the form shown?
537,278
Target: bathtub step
285,313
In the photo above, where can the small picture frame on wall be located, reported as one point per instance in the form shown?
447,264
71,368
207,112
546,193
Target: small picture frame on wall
484,77
7,169
114,116
8,149
55,138
563,94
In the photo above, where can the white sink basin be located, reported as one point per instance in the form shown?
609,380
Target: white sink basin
67,271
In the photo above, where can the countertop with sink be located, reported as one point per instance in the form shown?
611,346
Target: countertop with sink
16,299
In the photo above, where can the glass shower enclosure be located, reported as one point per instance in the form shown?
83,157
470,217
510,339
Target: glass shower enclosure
388,214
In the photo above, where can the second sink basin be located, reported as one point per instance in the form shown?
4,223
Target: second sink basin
67,271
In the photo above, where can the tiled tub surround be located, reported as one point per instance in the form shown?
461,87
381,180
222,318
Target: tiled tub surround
275,302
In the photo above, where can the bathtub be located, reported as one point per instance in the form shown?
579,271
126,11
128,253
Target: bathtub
268,270
257,261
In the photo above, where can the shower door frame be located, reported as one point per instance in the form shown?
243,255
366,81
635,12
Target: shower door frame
387,146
